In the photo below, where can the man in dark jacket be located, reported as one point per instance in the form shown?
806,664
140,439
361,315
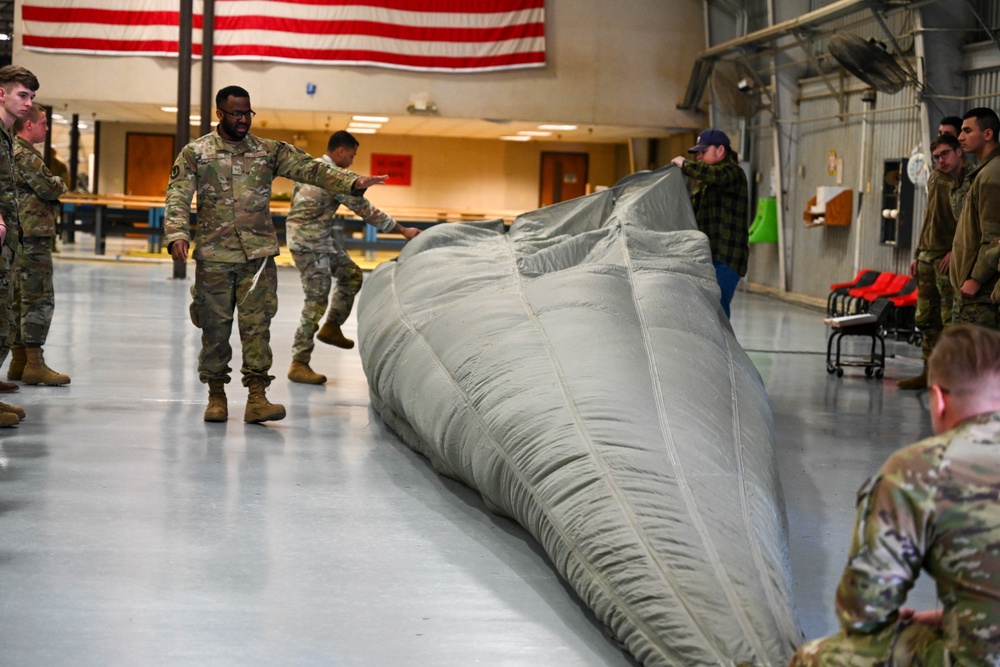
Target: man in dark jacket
720,197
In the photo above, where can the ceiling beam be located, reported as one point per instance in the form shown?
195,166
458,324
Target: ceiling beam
755,41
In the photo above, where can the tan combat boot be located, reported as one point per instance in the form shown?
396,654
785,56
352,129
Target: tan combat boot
218,407
17,361
8,419
15,410
331,334
300,372
258,408
918,382
36,372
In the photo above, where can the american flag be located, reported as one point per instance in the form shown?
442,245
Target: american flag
429,35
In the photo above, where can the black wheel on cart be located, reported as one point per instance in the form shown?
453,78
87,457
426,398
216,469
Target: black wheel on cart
879,373
831,369
840,372
869,371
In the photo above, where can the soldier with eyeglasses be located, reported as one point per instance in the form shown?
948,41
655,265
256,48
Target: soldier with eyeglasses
231,171
947,186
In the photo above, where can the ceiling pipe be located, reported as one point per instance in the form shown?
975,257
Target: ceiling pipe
749,43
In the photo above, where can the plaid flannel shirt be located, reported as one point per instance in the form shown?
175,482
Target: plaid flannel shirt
720,197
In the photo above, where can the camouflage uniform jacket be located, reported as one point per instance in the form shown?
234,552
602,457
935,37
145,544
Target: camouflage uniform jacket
38,191
935,506
979,227
310,221
8,188
233,184
945,197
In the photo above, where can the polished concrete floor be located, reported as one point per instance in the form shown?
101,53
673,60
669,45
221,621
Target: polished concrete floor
133,533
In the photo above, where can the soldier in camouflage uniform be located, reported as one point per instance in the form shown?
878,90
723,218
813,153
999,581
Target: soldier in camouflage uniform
319,258
34,296
231,170
974,253
946,190
933,506
17,92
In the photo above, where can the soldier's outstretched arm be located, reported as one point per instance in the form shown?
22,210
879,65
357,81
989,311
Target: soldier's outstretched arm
371,215
407,232
297,165
365,182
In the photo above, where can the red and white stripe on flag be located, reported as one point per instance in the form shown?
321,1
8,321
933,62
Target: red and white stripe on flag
430,35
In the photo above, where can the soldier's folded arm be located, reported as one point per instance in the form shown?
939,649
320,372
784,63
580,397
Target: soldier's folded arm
43,183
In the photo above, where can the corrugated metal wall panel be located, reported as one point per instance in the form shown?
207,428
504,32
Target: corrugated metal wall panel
983,88
764,257
821,255
897,135
818,253
990,11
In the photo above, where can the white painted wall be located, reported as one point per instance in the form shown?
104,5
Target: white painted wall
451,173
608,64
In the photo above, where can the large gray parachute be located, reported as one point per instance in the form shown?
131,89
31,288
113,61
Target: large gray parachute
579,373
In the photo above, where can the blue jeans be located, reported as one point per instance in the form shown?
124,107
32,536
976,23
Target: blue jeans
728,280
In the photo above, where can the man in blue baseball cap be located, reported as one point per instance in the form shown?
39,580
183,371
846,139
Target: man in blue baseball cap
720,197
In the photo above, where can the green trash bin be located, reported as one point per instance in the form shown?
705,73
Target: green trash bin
764,228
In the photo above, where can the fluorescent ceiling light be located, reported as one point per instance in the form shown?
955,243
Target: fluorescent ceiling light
363,130
557,127
515,137
371,119
535,133
169,109
373,126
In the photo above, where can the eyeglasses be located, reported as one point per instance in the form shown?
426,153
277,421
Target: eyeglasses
238,115
943,154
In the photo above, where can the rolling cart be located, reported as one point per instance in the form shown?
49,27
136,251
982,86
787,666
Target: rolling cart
869,325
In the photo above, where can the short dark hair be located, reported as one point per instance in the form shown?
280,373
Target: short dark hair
341,139
986,119
953,121
230,91
964,357
34,113
10,74
945,139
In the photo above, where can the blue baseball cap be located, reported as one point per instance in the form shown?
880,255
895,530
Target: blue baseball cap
710,137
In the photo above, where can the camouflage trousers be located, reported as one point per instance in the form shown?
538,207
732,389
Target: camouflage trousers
910,644
935,302
979,310
34,296
221,289
318,269
8,279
